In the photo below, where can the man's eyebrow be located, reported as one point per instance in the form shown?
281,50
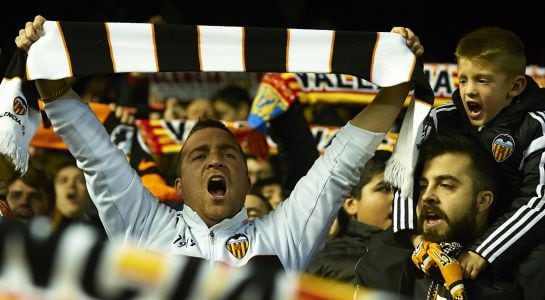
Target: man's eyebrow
447,177
441,178
206,148
201,148
228,147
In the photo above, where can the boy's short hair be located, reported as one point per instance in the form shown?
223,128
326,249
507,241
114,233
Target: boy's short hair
496,45
374,166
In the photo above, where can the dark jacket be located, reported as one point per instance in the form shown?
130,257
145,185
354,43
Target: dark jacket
339,257
387,266
515,138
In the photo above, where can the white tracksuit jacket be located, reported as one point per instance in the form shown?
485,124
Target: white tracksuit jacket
294,232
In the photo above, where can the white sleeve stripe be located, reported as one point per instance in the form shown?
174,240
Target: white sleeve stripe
505,246
540,117
524,214
410,208
520,215
492,241
537,144
531,203
395,217
445,107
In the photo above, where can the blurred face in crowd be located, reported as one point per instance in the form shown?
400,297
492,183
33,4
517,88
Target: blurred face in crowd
3,188
273,193
174,109
200,108
71,192
447,208
255,206
213,175
375,204
26,202
258,169
227,112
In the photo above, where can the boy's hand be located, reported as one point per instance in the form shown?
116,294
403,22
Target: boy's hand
413,42
472,264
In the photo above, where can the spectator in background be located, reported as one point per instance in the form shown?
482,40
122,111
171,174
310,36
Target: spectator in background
256,205
30,196
5,177
258,168
174,109
232,103
72,201
369,208
271,189
200,108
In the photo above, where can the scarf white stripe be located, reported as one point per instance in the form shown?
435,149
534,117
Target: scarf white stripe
310,50
49,58
388,47
126,58
221,48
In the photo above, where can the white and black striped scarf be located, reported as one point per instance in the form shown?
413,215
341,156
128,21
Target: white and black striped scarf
75,49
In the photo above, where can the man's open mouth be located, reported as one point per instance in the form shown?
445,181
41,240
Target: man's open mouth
216,186
432,215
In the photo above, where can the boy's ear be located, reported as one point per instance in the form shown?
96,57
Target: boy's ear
518,86
350,206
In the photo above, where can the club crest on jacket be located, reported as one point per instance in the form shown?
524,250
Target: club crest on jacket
238,245
502,147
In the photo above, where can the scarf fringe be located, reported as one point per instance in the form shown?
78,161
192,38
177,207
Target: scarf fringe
9,146
400,176
400,167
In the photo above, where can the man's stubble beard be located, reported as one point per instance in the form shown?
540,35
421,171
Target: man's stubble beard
462,230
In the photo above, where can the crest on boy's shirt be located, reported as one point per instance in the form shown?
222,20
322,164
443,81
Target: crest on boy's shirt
238,245
502,147
19,106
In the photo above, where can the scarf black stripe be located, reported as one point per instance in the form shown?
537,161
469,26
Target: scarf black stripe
267,43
